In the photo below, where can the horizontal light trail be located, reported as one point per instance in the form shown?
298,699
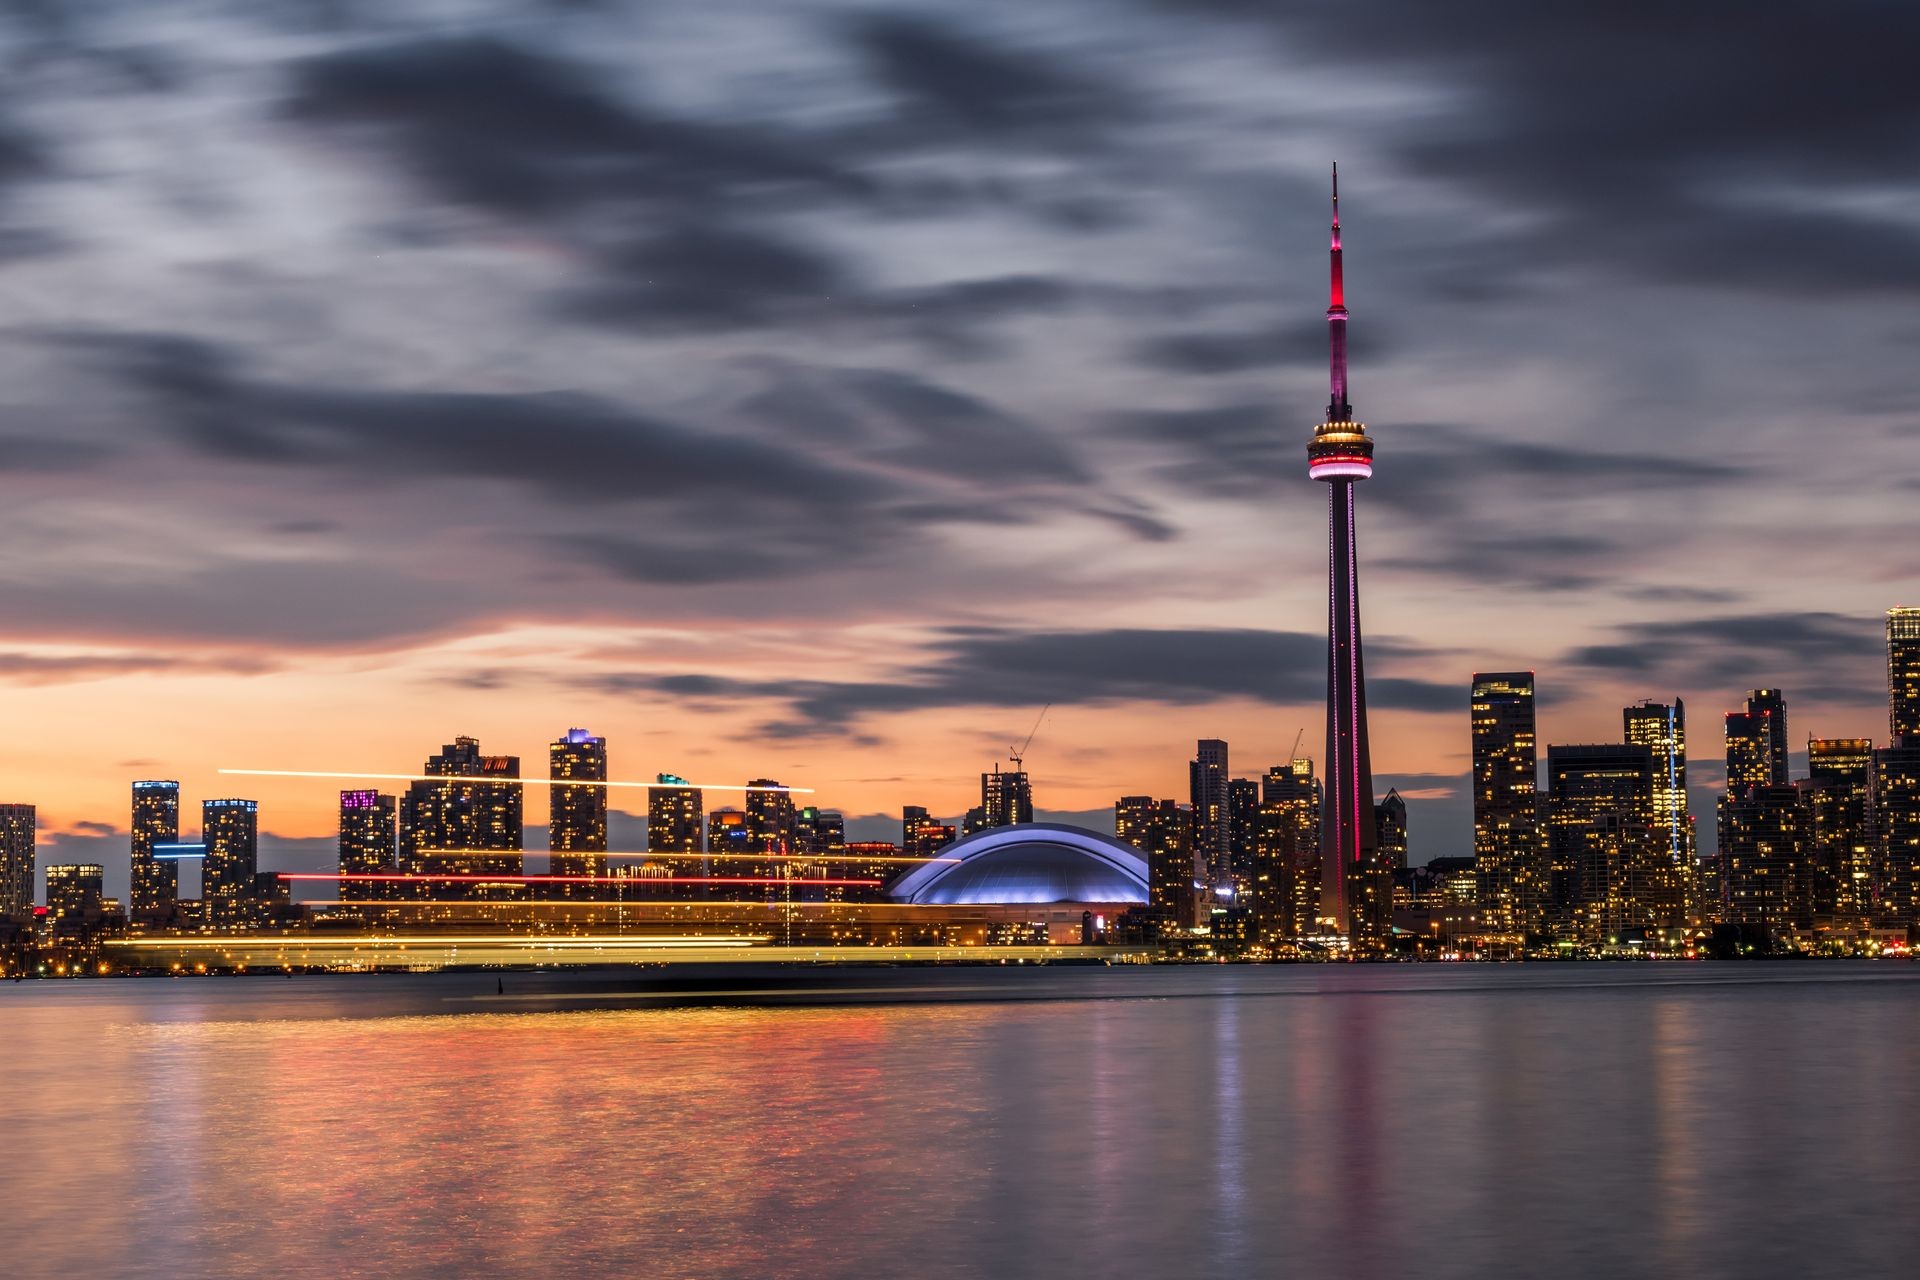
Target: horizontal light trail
476,878
557,904
683,856
461,940
489,778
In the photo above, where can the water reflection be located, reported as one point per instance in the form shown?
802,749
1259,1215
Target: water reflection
1241,1122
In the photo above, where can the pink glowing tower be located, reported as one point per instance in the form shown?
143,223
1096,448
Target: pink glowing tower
1352,895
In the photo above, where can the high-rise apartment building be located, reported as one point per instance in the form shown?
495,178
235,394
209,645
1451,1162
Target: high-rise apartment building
75,892
1896,807
369,843
1661,727
770,818
1006,799
1286,876
1749,750
1763,861
1390,821
154,885
729,839
1207,778
577,815
1509,846
920,835
674,814
1175,875
1243,835
228,873
462,827
1602,842
1839,830
1903,673
17,828
1771,705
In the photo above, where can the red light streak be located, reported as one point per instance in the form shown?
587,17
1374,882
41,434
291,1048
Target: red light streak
474,878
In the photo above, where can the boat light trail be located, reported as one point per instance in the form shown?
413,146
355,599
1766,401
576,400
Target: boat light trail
477,878
686,856
489,779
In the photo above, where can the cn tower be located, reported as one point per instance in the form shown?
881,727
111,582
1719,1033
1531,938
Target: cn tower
1351,895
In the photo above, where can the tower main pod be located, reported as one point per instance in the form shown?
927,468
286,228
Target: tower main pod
1356,893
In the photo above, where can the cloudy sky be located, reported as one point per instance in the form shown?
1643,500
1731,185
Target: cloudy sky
815,390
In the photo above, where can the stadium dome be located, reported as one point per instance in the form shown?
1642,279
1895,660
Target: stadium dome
1030,862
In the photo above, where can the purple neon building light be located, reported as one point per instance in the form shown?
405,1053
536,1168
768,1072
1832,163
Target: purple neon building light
1341,454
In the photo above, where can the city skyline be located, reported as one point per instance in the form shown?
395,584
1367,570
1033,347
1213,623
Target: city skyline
263,471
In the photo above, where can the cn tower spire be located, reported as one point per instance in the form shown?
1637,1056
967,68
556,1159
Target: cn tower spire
1338,409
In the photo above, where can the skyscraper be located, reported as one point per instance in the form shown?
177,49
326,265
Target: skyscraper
770,816
1341,454
1006,799
464,827
1212,821
1839,832
369,831
1243,835
231,831
155,882
75,891
577,816
674,812
1896,806
1661,728
1750,741
1771,705
1390,822
1508,843
728,833
1286,876
1763,861
1174,870
920,835
1602,842
17,826
1903,673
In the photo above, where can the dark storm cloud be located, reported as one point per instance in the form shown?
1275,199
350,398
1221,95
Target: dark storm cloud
987,667
1222,351
35,455
709,277
563,445
1229,450
1824,655
959,86
1659,138
517,131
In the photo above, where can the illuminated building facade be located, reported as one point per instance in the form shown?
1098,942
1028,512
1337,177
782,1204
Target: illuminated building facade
1175,874
1207,779
1006,799
1286,868
729,834
1601,839
577,816
1896,802
1838,795
464,827
1750,761
1243,833
1356,892
154,883
17,828
1764,863
770,816
676,830
1509,846
75,893
1903,674
229,873
1771,706
369,841
1390,821
1661,727
920,835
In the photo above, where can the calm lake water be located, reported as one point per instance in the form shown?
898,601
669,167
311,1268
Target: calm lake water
1313,1121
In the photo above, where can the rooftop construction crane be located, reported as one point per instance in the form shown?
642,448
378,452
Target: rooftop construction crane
1019,754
